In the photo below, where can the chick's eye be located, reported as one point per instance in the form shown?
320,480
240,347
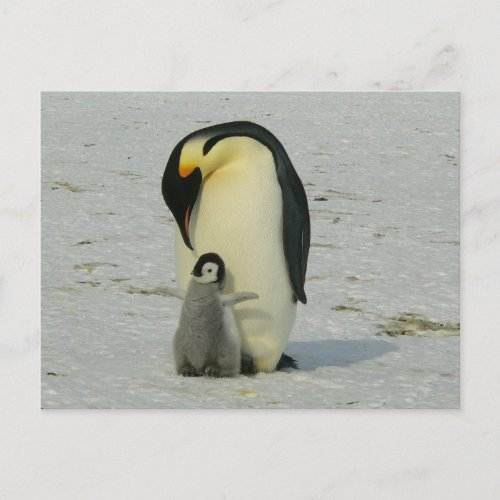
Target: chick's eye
209,270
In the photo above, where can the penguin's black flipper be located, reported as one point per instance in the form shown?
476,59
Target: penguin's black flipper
287,362
296,223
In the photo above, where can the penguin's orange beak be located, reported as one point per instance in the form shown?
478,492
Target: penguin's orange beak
186,170
187,217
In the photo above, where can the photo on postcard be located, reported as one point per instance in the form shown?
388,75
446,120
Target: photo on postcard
250,250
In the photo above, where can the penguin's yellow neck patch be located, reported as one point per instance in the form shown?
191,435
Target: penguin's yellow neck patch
231,151
191,156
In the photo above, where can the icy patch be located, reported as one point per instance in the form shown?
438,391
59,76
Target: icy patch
417,325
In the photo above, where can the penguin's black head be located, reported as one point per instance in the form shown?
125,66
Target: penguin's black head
210,268
197,156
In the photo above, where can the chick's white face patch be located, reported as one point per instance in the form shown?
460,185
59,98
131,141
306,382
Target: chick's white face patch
209,273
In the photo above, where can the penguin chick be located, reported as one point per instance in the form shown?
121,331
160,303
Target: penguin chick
207,341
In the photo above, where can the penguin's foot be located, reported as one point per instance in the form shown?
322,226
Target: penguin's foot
248,366
188,371
211,371
287,362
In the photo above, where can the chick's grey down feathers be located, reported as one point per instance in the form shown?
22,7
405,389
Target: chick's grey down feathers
206,341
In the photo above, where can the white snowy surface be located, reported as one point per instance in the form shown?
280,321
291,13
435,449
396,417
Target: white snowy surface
382,179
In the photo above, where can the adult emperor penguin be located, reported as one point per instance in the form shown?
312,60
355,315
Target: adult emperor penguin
233,190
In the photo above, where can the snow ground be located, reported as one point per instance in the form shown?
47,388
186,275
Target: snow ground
382,178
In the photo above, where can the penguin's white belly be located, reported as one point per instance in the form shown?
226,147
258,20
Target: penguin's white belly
239,215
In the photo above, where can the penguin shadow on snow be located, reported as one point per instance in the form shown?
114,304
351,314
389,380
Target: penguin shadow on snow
329,352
